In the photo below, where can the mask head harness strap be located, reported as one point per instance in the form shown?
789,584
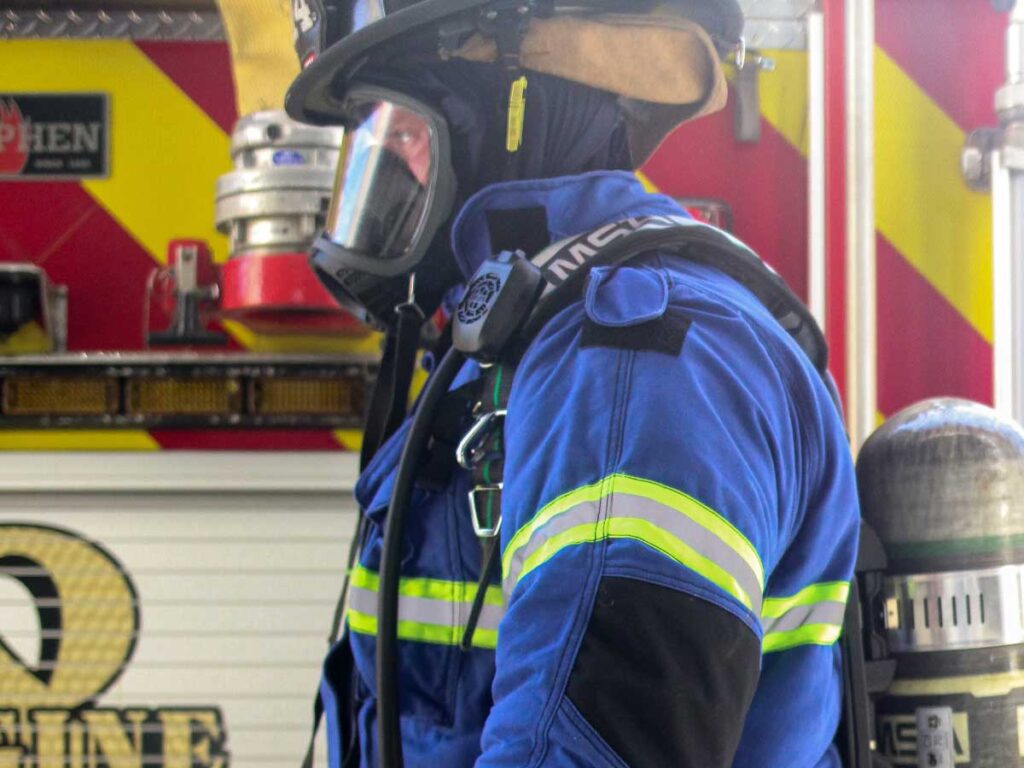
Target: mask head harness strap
508,24
388,403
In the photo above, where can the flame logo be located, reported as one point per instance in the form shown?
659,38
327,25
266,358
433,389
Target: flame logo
13,148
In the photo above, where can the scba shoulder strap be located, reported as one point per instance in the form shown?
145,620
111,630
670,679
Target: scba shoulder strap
511,298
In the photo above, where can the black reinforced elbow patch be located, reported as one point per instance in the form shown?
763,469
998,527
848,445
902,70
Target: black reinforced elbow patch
663,677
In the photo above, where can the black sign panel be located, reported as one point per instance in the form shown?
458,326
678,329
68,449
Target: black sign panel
54,136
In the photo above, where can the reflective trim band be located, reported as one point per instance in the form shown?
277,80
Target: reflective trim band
813,616
624,507
809,634
429,610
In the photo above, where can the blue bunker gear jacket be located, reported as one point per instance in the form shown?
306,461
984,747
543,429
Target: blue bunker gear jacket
680,529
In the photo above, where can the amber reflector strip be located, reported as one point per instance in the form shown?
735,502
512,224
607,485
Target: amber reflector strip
183,397
57,396
296,396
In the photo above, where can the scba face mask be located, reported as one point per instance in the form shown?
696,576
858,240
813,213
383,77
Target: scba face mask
393,191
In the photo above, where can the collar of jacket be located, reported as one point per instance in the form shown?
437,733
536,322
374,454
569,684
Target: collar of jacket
574,204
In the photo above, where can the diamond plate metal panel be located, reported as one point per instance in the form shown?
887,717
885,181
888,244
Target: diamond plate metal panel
768,34
114,24
776,23
776,9
771,23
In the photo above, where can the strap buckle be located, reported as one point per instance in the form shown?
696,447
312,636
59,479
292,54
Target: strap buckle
469,452
487,526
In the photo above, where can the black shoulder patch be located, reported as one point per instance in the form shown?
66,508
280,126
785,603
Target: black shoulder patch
519,229
664,334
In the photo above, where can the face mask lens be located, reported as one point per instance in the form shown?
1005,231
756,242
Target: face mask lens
385,180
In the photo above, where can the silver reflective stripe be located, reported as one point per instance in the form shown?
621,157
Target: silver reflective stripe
619,505
828,612
424,610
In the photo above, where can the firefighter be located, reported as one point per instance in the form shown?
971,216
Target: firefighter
676,514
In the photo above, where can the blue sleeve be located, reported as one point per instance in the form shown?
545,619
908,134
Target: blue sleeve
679,470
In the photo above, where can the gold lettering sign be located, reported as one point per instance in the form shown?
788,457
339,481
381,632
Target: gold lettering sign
88,613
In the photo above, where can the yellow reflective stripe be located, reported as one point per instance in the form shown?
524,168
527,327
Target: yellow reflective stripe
662,494
444,616
696,511
813,616
646,533
431,589
837,591
415,631
809,634
591,492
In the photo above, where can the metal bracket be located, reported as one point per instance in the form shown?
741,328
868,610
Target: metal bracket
976,157
747,115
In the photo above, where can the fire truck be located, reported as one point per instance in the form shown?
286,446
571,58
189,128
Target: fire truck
181,402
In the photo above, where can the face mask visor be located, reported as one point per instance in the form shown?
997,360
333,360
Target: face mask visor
394,187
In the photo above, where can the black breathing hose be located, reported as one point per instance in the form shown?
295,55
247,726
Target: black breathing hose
389,733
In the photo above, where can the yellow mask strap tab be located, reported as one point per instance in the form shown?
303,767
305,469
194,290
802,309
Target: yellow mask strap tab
516,114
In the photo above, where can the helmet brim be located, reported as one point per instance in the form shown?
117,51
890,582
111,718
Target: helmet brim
314,95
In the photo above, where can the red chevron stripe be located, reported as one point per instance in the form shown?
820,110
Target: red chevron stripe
951,48
765,183
35,216
60,227
202,71
925,348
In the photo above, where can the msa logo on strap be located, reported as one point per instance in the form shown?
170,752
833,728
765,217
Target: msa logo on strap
565,257
562,259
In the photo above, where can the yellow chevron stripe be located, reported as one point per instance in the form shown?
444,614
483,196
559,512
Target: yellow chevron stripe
27,340
313,344
784,97
76,440
350,439
923,207
166,152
